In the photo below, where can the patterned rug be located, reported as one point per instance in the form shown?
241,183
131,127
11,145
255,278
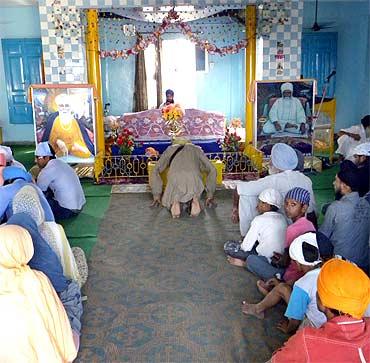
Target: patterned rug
160,290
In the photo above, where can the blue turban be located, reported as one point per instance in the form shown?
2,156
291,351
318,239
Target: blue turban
299,194
284,157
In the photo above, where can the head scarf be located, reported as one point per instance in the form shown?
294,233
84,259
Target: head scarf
286,87
14,172
362,149
8,153
283,157
299,194
180,141
348,174
296,249
345,287
43,332
272,197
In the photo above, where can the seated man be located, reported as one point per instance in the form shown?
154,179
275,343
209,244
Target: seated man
59,182
301,299
266,235
66,135
282,178
185,162
346,221
10,161
345,337
353,136
362,160
169,99
286,114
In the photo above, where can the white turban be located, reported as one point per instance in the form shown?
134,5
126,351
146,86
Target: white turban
286,87
43,149
296,249
8,153
272,197
362,149
284,157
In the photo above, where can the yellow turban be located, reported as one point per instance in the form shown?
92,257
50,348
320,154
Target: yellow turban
345,287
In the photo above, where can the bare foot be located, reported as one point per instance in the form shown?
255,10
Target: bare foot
235,215
235,261
195,207
251,309
263,288
175,210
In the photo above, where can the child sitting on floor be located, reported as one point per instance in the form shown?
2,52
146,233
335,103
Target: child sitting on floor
301,299
296,204
265,235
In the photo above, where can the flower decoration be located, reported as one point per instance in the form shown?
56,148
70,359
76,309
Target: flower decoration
173,115
271,14
172,20
126,142
230,142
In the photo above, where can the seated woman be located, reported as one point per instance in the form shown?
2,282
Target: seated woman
185,162
12,180
35,326
73,260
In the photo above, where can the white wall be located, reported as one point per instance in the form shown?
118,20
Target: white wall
15,22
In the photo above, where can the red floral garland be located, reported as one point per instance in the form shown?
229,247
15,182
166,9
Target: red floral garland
172,20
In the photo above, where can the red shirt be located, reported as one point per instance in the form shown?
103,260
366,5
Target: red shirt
342,339
299,227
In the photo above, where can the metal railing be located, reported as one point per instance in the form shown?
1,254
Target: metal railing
134,168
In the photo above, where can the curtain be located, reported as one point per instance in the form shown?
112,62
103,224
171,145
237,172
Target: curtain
158,71
140,93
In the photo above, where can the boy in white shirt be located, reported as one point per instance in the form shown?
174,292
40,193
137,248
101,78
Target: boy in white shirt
266,234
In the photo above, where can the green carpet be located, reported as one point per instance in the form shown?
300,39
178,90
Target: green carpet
82,231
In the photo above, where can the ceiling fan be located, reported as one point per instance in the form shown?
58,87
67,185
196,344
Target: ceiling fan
316,27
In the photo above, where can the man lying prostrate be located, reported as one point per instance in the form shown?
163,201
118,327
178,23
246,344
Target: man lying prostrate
266,235
34,324
343,294
59,182
10,161
346,221
301,299
282,178
14,179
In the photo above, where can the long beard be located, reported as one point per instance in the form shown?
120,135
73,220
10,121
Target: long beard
273,170
338,195
65,118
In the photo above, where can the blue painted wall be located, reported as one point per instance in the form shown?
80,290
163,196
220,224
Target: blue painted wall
222,89
351,22
15,22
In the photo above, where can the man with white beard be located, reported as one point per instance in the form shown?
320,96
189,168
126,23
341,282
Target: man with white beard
286,114
65,134
282,178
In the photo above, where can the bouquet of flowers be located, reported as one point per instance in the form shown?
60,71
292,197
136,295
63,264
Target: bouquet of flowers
126,142
173,115
231,142
235,123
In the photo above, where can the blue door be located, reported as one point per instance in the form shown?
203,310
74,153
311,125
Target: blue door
23,67
319,59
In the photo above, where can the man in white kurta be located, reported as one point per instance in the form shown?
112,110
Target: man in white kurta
352,137
283,178
286,114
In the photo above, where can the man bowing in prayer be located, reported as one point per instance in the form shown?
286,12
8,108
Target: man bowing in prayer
286,114
186,163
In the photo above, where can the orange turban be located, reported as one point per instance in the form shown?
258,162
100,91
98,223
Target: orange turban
345,287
